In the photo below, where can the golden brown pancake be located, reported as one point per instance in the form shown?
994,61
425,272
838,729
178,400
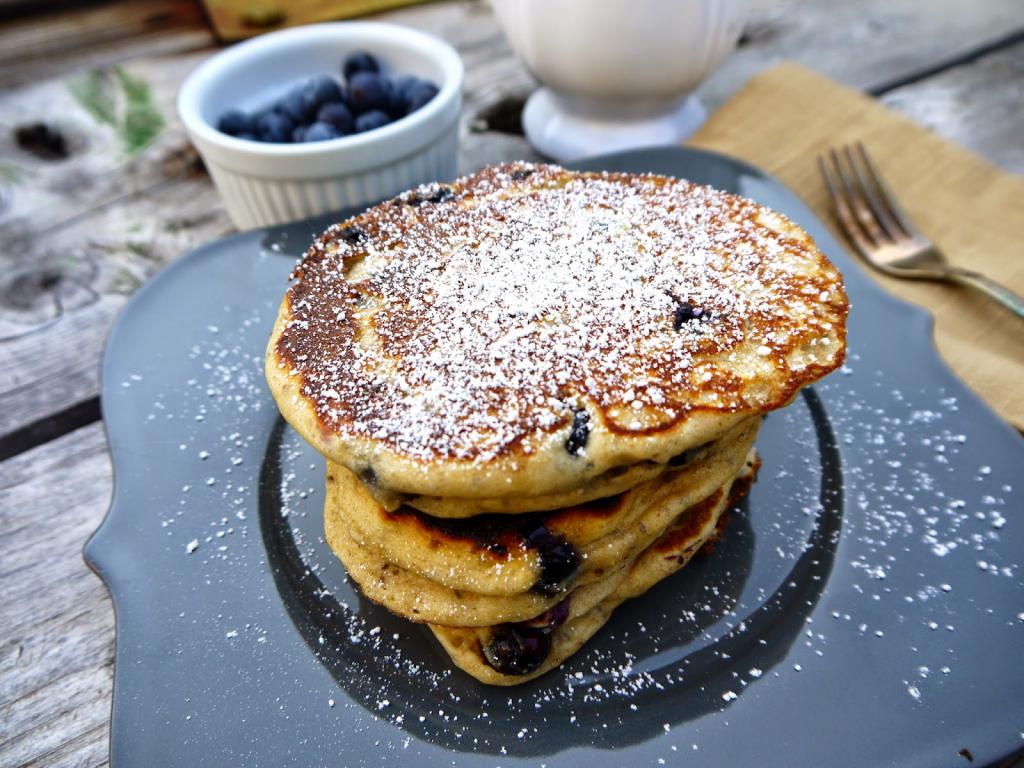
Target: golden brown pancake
527,329
420,599
609,483
511,654
544,551
538,390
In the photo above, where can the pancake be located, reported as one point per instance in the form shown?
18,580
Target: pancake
610,483
541,552
526,329
559,634
417,598
683,540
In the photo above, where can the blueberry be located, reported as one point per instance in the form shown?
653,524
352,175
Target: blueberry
338,116
321,132
353,235
551,619
418,94
323,89
685,313
361,61
274,126
299,134
371,120
398,93
247,136
235,121
578,433
558,615
296,105
439,195
368,91
558,559
516,650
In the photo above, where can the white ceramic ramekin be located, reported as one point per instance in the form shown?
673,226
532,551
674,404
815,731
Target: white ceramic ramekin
265,184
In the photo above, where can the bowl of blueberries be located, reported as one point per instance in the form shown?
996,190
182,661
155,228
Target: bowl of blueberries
327,116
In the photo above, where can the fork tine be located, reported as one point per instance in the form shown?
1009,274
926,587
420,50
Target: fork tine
862,215
877,204
857,200
897,213
843,212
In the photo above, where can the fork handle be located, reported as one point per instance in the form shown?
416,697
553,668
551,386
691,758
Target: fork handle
992,289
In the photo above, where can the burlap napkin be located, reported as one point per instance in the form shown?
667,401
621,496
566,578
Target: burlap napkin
783,118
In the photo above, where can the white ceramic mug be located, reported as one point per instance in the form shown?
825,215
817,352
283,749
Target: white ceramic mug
617,73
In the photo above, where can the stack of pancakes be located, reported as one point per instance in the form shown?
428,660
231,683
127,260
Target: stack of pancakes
538,391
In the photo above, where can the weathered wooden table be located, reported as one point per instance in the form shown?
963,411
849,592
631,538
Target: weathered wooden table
99,188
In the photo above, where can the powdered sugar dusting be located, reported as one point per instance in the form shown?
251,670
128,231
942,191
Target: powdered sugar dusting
470,327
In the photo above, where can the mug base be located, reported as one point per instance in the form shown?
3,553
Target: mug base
563,134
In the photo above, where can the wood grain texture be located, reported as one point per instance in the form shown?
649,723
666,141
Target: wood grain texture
861,43
56,620
972,210
979,105
38,365
47,44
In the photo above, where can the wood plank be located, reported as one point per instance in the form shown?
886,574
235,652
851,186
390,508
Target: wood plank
59,366
50,44
39,378
861,43
104,165
112,221
89,749
979,105
56,620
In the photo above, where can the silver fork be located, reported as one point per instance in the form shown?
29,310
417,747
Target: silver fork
882,234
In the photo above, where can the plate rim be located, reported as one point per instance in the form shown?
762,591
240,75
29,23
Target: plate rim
96,550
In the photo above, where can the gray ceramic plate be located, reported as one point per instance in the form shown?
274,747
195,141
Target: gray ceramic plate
866,607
